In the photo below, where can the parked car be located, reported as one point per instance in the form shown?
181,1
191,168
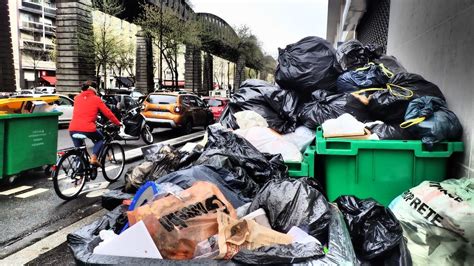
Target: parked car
45,89
119,103
27,92
64,104
216,105
174,110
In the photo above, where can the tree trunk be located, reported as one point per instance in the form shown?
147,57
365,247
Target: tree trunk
105,78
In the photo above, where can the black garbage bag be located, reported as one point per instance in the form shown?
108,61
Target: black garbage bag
307,65
326,106
235,191
373,51
440,124
390,132
164,159
371,76
390,105
351,54
113,198
391,63
280,254
340,250
224,149
294,202
277,106
375,231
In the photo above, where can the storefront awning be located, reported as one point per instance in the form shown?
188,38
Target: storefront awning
50,79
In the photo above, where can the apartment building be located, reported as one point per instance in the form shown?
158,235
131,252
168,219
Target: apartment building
33,33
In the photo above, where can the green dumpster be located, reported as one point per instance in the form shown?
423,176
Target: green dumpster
27,141
380,169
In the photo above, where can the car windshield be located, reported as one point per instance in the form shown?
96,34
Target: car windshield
214,103
161,99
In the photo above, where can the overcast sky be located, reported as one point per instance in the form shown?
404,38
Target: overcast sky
276,23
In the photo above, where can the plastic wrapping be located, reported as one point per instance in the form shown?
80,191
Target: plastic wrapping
440,124
268,141
326,106
375,231
371,76
307,65
390,105
177,223
291,203
228,150
437,221
234,190
277,106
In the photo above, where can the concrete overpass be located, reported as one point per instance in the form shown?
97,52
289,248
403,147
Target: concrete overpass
75,63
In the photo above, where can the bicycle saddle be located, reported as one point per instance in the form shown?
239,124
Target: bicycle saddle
79,136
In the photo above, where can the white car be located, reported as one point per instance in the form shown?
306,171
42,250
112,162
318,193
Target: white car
45,89
65,105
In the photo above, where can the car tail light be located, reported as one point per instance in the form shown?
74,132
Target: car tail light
177,109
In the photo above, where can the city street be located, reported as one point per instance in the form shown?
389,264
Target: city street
35,211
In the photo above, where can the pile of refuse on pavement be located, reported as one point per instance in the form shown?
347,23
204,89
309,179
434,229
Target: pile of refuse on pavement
230,199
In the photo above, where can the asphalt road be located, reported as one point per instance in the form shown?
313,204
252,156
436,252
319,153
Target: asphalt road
30,210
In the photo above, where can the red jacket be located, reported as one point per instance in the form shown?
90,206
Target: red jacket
86,107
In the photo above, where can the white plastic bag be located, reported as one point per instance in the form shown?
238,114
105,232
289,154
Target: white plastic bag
345,124
438,221
268,141
249,119
302,137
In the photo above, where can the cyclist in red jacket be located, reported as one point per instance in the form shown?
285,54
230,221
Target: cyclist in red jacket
86,107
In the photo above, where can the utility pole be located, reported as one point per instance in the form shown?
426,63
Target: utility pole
161,45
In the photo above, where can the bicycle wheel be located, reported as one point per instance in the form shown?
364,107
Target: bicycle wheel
69,175
113,162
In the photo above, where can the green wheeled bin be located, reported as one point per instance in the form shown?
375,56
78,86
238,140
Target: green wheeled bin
27,141
380,169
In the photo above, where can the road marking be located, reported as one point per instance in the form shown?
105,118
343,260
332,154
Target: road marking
46,244
59,177
15,190
32,193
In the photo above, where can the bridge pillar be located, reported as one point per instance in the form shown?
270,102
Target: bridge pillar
193,69
7,71
207,74
75,62
144,63
239,76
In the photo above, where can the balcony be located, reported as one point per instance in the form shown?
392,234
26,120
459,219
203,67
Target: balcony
36,6
37,27
35,45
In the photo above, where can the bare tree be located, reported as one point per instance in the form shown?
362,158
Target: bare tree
174,31
106,43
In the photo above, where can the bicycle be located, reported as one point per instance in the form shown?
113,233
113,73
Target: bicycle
73,170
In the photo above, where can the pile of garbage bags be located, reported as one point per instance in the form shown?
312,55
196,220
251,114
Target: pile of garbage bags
231,203
315,83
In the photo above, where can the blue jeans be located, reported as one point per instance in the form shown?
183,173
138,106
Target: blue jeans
96,137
